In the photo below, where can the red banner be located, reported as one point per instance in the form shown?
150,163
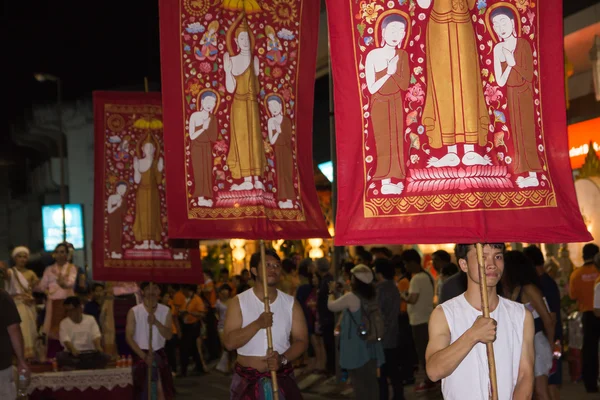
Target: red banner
238,86
450,120
130,225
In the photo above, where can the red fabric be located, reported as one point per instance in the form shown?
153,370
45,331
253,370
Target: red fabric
89,394
193,67
460,203
124,122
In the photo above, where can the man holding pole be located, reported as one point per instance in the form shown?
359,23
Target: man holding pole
458,336
148,328
263,356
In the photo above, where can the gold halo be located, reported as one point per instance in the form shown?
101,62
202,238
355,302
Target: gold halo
488,25
266,101
208,90
385,14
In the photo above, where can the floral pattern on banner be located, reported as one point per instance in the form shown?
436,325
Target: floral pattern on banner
240,82
416,140
135,222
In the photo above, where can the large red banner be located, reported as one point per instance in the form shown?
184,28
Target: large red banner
130,225
450,122
238,85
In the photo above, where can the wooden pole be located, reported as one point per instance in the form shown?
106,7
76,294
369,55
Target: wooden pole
146,84
263,266
485,308
150,352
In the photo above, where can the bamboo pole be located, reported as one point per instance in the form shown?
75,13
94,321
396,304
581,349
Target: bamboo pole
146,84
150,353
485,308
263,266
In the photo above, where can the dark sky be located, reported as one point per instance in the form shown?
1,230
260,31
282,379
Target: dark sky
96,45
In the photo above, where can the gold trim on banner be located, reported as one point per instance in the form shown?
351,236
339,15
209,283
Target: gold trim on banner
170,264
419,204
247,211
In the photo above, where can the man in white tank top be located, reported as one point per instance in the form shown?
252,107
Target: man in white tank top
139,320
458,334
245,331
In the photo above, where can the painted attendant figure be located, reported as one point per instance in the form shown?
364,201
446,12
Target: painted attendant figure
246,158
280,137
203,133
117,208
513,67
388,74
455,111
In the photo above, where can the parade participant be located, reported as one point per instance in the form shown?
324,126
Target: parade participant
19,283
81,338
458,335
11,341
245,331
57,283
139,320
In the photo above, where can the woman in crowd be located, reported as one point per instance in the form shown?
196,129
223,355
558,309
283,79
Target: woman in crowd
57,283
520,283
19,284
359,357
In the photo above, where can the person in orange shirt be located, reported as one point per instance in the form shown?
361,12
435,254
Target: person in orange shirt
191,313
224,278
171,344
581,289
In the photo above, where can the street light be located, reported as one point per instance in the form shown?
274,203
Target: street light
42,77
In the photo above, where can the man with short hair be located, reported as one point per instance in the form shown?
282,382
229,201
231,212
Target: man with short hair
245,331
420,305
581,289
552,294
326,317
140,319
11,341
458,335
94,306
81,338
388,298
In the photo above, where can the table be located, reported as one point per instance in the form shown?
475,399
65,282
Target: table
115,383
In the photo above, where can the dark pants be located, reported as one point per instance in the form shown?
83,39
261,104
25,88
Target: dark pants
171,350
406,348
390,370
421,338
329,343
364,381
212,342
88,360
190,333
589,351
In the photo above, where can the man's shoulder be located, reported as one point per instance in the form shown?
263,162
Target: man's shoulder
286,297
512,307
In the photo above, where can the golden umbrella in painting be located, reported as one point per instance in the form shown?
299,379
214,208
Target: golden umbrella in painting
148,123
247,6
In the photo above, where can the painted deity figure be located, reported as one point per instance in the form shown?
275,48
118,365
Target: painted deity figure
246,157
274,48
122,153
208,43
117,208
203,133
388,74
455,111
513,67
147,227
280,136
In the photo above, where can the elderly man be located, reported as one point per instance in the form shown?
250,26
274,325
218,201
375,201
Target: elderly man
81,338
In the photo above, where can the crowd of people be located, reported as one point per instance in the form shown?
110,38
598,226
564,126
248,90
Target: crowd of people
382,322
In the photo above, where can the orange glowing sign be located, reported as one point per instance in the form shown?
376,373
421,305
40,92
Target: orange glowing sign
580,136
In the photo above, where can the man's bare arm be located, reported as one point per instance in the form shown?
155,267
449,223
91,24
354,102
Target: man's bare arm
129,332
524,387
16,340
234,336
165,330
299,334
442,357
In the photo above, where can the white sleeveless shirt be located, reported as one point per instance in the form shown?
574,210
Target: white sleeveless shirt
252,308
470,380
141,326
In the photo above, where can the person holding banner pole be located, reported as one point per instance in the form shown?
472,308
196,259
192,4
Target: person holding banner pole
458,335
148,328
264,362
